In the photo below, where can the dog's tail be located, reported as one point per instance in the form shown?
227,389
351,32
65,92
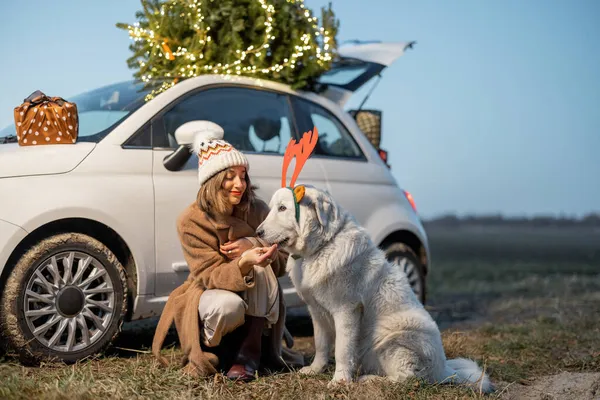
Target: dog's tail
466,372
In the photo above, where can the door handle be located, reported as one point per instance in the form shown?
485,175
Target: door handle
180,266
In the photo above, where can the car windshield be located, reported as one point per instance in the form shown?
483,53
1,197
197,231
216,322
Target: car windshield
99,110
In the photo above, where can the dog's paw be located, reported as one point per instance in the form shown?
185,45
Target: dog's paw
340,378
369,378
311,370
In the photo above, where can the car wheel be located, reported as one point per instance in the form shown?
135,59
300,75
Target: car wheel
406,259
64,300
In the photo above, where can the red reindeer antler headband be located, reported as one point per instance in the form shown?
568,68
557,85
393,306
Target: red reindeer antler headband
301,151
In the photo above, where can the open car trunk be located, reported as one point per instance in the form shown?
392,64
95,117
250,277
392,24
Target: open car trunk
356,65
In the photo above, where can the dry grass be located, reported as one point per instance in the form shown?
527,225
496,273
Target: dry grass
510,353
518,352
141,378
519,318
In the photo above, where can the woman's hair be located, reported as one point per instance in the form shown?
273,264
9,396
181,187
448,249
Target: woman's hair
212,201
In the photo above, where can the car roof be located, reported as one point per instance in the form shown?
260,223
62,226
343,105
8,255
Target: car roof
163,99
213,79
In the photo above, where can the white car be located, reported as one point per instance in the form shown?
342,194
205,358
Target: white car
87,230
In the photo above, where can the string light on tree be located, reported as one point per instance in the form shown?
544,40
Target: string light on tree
174,39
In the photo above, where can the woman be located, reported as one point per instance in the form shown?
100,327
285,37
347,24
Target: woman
233,274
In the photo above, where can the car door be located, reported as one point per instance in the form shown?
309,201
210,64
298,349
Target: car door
358,185
257,122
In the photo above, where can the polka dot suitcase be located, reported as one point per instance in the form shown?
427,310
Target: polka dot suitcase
44,120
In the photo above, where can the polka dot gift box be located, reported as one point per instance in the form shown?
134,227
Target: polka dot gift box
44,120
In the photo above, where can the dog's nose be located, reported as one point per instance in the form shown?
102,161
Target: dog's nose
260,233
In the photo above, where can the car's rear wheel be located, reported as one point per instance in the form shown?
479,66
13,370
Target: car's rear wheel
406,259
64,300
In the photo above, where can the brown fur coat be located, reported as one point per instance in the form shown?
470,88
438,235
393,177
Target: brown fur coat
200,237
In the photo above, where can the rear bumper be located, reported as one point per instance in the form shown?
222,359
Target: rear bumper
10,236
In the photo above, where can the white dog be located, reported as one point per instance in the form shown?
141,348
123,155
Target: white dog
357,299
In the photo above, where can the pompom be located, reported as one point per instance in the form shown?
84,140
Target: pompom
203,132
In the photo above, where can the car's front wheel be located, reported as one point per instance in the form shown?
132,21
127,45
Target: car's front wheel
406,259
64,300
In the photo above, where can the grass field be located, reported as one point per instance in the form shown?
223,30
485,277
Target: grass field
524,303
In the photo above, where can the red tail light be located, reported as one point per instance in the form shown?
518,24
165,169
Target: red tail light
384,156
411,200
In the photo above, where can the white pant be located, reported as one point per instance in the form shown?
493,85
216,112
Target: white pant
222,311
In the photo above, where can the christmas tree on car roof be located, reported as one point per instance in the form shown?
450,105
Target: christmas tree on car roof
278,40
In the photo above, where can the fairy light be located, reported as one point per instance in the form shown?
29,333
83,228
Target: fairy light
192,69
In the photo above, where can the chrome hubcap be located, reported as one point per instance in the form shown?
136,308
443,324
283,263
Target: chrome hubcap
410,269
69,301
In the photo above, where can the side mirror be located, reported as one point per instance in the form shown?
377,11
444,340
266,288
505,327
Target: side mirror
185,135
178,158
369,122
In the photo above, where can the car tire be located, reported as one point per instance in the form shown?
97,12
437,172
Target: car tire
407,260
64,300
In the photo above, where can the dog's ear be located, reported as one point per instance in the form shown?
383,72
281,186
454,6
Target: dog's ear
324,209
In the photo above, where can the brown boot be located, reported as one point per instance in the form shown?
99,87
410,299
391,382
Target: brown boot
248,358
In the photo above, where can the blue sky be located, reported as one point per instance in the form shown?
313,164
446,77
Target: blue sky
495,110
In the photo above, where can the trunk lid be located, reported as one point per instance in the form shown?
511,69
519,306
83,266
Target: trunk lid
357,64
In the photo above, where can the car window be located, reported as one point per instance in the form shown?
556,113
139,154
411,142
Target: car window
253,120
334,138
141,139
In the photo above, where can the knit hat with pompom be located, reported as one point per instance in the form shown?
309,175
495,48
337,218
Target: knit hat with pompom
214,153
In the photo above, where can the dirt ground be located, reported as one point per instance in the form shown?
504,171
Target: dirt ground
563,386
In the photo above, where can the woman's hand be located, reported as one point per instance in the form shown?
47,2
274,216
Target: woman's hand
233,250
260,256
